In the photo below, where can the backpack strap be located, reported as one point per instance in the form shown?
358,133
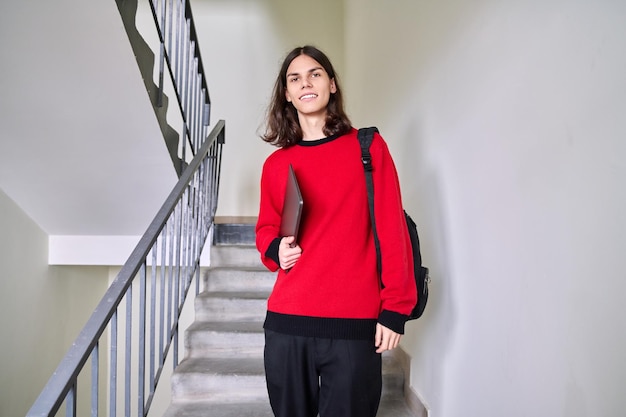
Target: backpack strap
366,136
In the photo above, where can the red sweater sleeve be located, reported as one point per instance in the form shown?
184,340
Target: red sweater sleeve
268,224
399,294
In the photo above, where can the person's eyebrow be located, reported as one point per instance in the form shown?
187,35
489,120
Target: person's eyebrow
291,74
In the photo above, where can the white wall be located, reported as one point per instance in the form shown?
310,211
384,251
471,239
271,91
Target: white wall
243,44
507,123
43,308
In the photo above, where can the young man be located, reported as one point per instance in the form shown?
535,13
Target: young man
328,319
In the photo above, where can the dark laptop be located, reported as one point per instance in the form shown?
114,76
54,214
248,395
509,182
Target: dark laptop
292,207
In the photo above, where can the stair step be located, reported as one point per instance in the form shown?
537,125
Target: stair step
225,339
388,408
212,377
234,233
238,279
393,377
220,380
231,306
203,409
223,374
235,256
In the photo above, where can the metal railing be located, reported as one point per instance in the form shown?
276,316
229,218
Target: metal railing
160,272
180,72
179,50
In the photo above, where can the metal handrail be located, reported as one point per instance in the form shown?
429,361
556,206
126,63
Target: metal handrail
170,249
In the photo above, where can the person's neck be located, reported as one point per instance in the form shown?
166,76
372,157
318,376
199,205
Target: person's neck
313,127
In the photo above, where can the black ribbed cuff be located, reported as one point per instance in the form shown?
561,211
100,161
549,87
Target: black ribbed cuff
272,251
392,320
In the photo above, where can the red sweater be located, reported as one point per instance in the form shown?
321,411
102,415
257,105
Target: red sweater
333,290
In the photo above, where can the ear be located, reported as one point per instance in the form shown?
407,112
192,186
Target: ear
333,86
287,96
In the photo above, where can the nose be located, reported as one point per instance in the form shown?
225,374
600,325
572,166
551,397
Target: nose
306,82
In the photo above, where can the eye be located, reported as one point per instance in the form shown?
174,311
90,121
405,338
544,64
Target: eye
292,79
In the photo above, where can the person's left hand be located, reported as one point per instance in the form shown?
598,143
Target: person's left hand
385,338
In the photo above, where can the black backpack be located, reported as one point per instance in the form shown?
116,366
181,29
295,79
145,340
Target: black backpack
422,279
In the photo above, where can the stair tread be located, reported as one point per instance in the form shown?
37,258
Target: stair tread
249,268
395,407
227,326
222,366
252,365
246,295
202,409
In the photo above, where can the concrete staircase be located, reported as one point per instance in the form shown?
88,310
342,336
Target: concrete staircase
222,374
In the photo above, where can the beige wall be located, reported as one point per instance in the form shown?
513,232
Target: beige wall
506,122
43,308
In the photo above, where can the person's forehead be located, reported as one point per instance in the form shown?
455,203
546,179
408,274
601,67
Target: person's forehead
303,63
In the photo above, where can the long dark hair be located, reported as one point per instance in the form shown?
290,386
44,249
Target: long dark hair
283,128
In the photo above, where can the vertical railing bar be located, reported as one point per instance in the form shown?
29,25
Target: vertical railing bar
161,23
220,141
181,249
185,239
163,30
94,380
197,83
177,256
187,245
192,110
141,361
202,218
153,302
162,290
179,46
194,233
70,399
190,214
184,71
128,352
200,222
206,120
213,175
197,105
170,29
187,86
161,74
170,283
113,368
197,281
183,142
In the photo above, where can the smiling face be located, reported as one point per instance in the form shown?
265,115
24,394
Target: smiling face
309,86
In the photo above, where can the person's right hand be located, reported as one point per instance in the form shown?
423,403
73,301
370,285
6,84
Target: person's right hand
288,255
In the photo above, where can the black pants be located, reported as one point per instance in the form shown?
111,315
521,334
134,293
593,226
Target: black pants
335,377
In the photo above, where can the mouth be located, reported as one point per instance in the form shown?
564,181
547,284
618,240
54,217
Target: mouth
308,96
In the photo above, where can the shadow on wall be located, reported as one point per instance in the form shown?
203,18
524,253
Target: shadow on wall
437,327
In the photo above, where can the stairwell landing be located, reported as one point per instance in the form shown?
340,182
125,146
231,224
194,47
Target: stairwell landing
222,374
